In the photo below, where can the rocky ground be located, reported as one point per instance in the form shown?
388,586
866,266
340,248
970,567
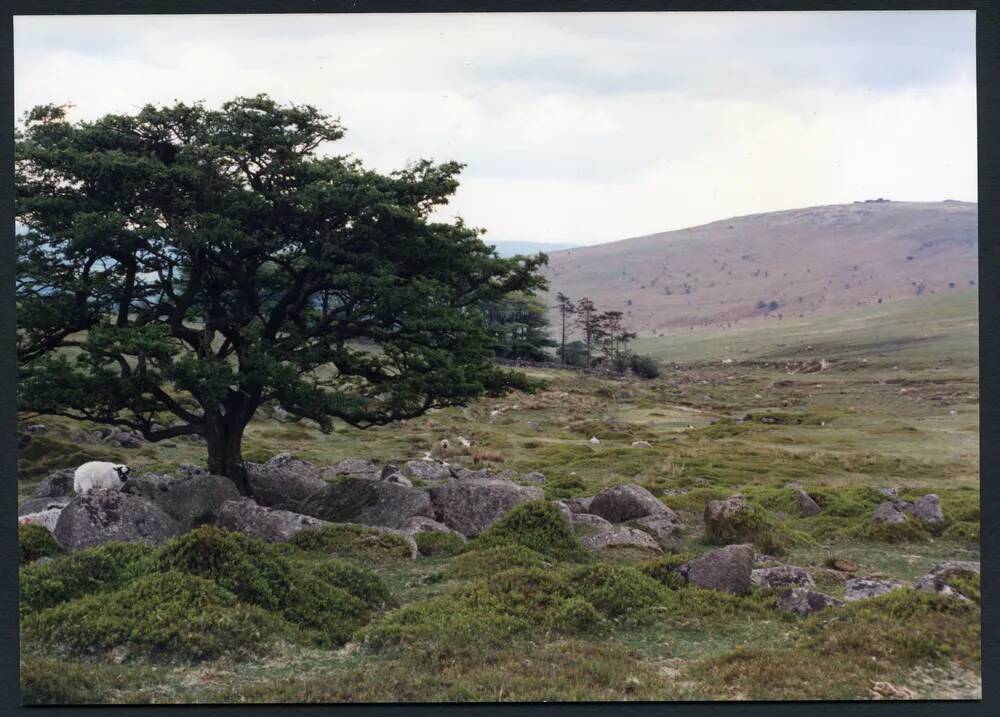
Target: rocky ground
735,529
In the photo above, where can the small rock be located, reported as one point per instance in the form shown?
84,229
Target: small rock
641,444
579,505
102,515
889,492
59,483
427,471
928,510
807,506
889,513
664,527
727,569
400,479
843,565
45,518
534,477
621,537
271,524
627,502
937,580
782,577
591,521
861,588
804,601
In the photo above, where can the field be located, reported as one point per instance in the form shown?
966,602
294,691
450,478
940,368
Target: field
885,396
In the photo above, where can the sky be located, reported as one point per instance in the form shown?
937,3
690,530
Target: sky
575,128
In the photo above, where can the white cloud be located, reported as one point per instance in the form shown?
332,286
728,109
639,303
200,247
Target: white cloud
578,128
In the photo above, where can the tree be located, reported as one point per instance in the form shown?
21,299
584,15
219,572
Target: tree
566,310
616,337
589,322
519,326
182,266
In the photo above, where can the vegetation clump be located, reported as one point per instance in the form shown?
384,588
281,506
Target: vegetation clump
356,542
436,544
480,562
537,525
34,542
162,616
750,524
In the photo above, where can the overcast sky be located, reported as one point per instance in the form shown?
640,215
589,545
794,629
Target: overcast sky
579,128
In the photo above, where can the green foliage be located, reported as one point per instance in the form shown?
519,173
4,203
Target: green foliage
664,569
301,253
518,325
909,531
245,566
537,525
356,542
45,681
92,571
963,532
576,616
482,562
644,366
436,544
162,616
34,542
967,585
618,592
849,501
754,525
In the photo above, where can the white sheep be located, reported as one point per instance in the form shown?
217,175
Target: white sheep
99,474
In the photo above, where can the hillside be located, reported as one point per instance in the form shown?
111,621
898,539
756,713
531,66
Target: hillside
816,260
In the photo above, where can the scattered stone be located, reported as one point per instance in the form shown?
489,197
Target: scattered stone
641,444
784,576
534,477
928,510
664,527
190,501
355,467
37,505
887,690
564,511
102,515
889,512
889,492
271,524
807,506
727,569
368,502
627,502
470,506
793,485
579,505
937,580
59,483
804,601
591,521
427,471
843,565
861,588
621,537
535,426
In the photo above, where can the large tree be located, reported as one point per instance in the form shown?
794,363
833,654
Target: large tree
519,326
566,309
180,266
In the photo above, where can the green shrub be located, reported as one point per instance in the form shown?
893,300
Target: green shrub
163,616
439,544
664,570
537,525
848,502
45,681
618,592
34,542
909,531
644,366
483,562
963,532
968,585
245,566
98,569
754,525
350,541
576,616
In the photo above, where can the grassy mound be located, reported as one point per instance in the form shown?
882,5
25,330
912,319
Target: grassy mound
34,542
909,531
160,616
350,541
96,570
537,525
439,545
247,567
663,570
754,525
483,562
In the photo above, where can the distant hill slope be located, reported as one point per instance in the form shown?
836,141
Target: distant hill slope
508,248
809,261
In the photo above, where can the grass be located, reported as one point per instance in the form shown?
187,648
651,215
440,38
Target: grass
519,613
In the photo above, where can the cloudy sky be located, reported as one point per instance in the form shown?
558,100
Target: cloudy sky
578,128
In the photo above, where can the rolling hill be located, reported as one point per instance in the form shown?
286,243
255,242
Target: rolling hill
778,265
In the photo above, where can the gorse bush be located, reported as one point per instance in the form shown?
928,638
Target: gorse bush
34,542
537,525
644,366
161,616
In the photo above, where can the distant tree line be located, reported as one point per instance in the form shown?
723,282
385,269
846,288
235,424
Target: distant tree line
604,338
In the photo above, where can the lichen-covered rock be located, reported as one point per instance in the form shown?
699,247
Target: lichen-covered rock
274,525
927,509
783,576
37,505
471,506
103,515
938,579
664,527
427,471
889,513
368,502
807,506
591,521
191,500
355,467
727,569
862,588
579,505
423,524
45,518
620,537
534,477
57,484
284,483
804,601
627,502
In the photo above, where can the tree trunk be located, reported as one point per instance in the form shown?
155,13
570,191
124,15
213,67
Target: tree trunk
225,457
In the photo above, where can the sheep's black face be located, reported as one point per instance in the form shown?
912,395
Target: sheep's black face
123,472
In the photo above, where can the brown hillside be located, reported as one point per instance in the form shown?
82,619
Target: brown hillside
815,260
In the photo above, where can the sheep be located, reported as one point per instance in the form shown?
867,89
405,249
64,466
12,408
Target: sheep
99,474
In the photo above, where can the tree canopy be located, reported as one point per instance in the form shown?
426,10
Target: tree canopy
181,266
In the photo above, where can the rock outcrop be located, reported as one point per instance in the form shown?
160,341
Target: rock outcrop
103,515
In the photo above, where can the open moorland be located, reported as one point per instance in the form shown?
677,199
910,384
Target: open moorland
816,426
